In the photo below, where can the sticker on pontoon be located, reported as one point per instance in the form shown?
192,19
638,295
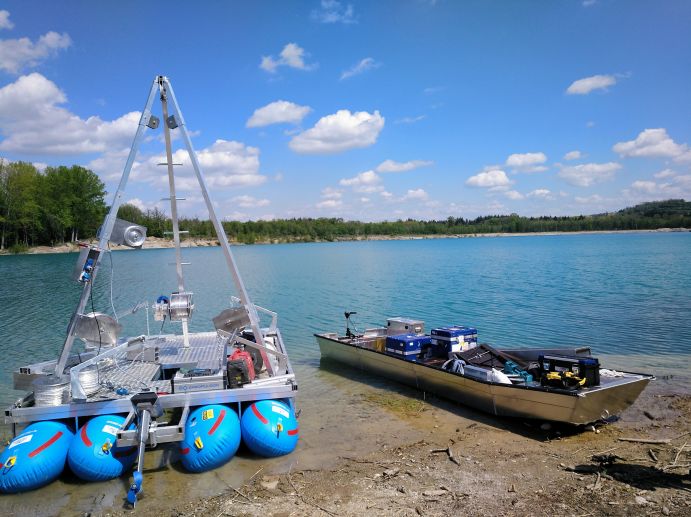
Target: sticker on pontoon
279,410
110,429
207,414
21,440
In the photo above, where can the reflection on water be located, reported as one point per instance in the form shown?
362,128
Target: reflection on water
627,296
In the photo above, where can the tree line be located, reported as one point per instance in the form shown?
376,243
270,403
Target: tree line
673,213
65,204
56,205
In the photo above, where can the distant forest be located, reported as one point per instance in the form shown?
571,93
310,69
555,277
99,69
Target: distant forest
66,204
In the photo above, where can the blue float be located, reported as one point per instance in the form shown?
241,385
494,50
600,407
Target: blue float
212,437
93,455
35,457
269,428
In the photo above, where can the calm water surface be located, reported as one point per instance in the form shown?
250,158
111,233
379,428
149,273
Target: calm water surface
622,294
628,296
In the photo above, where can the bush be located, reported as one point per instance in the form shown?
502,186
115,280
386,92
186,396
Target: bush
18,248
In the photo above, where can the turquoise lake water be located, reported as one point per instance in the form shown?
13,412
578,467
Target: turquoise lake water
628,296
625,295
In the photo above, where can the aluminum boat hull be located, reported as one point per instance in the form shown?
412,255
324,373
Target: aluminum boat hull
574,407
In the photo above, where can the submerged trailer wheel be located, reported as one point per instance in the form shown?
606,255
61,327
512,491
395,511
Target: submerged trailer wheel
269,428
93,455
212,437
35,457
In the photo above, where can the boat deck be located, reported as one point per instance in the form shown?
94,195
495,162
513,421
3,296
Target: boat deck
206,351
181,376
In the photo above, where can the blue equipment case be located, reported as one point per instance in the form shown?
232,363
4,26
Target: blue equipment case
407,346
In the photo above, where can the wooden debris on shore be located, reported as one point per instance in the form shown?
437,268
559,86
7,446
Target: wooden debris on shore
449,453
662,441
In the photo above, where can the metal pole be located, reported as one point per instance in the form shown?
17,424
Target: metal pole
106,230
220,232
173,202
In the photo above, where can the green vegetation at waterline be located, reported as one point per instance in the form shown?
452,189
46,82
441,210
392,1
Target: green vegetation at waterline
67,203
674,213
49,207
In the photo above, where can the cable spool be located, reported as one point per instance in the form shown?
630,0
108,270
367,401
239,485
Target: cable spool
51,391
181,306
88,378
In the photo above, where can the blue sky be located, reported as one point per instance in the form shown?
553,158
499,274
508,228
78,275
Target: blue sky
363,110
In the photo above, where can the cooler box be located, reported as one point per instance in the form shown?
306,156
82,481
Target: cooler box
583,367
400,326
406,346
456,338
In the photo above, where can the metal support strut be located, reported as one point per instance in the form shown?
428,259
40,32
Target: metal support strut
146,406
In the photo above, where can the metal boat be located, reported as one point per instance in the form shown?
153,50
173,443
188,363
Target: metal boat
154,376
528,386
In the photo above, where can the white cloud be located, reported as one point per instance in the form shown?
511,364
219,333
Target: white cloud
364,200
385,194
5,22
331,193
431,90
418,194
595,198
541,193
588,84
237,216
292,56
653,143
33,122
225,163
677,186
330,203
514,194
249,201
144,205
393,166
17,54
410,120
489,179
644,186
365,182
573,155
361,67
527,162
339,132
332,11
667,173
588,3
278,112
588,174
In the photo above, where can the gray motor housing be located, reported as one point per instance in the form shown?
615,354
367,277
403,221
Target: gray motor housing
127,233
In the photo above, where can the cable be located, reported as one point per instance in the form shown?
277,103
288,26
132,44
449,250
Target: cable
112,272
98,328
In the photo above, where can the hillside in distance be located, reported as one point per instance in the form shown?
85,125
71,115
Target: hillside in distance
672,213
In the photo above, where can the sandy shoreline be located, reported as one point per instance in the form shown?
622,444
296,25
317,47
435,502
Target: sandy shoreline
160,243
460,462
